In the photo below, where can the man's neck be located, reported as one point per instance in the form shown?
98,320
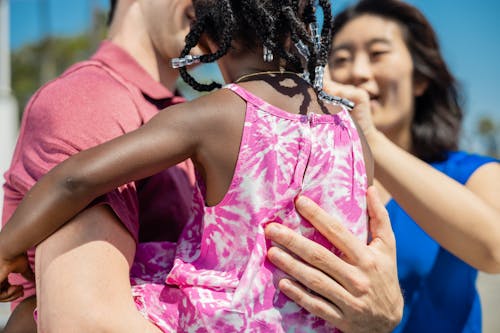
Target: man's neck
128,31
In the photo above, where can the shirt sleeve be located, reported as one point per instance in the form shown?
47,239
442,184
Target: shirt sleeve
77,111
462,165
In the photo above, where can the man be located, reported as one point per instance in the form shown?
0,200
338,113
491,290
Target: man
124,84
82,270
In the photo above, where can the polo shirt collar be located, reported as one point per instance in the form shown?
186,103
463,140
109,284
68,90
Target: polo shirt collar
120,61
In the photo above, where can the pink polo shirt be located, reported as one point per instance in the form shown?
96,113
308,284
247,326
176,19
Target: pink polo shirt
90,103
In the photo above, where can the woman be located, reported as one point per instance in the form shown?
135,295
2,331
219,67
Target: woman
443,203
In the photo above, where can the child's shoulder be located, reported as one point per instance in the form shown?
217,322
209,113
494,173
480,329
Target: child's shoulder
213,110
219,102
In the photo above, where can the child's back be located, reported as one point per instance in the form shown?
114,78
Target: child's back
221,280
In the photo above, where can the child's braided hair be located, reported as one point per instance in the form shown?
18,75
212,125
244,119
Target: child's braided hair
259,23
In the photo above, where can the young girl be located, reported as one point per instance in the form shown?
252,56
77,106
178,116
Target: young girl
252,157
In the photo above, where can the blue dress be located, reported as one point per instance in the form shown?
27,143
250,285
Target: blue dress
439,289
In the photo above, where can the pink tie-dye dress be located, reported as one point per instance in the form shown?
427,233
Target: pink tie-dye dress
220,280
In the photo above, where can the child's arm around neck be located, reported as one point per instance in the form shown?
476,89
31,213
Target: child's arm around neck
169,138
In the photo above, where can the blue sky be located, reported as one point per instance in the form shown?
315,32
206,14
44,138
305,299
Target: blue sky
469,32
67,17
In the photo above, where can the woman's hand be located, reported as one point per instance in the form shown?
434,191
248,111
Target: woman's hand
358,292
19,264
362,111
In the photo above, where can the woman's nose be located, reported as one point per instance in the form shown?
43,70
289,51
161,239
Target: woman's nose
361,70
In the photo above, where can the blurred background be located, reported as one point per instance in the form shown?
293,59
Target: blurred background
41,38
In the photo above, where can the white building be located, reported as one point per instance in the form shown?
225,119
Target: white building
8,105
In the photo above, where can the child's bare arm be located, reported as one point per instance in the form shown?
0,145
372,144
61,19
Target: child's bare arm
169,138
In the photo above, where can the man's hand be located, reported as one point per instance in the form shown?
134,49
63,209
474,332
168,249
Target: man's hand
357,292
19,264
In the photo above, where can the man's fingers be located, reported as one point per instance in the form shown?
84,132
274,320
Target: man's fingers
10,293
380,224
312,303
310,277
332,229
310,252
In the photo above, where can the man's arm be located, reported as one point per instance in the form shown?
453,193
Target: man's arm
74,112
83,277
357,292
84,265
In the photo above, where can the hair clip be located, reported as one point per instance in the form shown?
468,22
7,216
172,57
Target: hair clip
335,99
268,54
303,50
348,103
185,61
319,73
305,75
316,37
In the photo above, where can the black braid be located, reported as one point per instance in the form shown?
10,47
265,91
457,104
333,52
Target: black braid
194,36
285,13
192,39
227,34
263,21
310,17
298,30
259,23
326,32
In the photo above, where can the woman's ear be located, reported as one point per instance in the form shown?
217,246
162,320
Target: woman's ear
420,86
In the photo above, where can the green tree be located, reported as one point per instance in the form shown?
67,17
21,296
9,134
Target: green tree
489,132
36,63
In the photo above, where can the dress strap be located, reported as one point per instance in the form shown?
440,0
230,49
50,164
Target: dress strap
239,91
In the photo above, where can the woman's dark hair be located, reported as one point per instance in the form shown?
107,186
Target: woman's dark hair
438,114
111,12
258,23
